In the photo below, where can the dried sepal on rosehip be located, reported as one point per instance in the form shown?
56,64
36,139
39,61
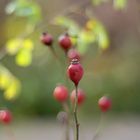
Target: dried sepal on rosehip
104,103
5,116
65,42
61,93
75,71
81,96
46,39
73,54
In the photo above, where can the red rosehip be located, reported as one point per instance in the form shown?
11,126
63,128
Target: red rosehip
81,96
5,116
46,39
65,42
75,71
104,103
60,93
73,54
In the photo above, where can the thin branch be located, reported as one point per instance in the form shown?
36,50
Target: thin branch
75,115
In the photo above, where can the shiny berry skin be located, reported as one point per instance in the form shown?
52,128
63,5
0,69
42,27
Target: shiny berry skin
75,71
65,42
73,54
104,103
46,39
60,93
5,116
81,96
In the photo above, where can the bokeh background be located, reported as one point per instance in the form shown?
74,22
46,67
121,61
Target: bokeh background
113,72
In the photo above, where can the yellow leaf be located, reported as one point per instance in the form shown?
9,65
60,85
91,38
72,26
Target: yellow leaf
103,41
24,58
87,36
28,44
13,90
4,80
13,45
91,24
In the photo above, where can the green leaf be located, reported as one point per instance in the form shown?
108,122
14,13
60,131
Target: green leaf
24,58
120,4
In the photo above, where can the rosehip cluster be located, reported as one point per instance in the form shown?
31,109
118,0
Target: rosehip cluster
75,73
64,42
5,116
60,93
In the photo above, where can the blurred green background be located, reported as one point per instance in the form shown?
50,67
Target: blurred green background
113,72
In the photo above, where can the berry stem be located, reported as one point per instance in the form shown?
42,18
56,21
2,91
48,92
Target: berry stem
55,55
10,133
66,108
75,114
98,129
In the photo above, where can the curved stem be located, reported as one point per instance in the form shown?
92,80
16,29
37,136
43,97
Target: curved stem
75,115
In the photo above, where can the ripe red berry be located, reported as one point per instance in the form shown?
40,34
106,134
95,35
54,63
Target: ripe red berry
75,71
73,54
60,93
65,42
5,116
104,103
46,39
81,96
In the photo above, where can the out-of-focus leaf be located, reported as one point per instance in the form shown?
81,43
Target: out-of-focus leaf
97,2
103,40
10,8
13,46
100,32
9,84
73,28
86,37
28,44
25,8
4,80
120,4
91,24
24,58
13,90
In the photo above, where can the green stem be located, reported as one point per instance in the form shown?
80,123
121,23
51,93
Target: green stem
75,115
